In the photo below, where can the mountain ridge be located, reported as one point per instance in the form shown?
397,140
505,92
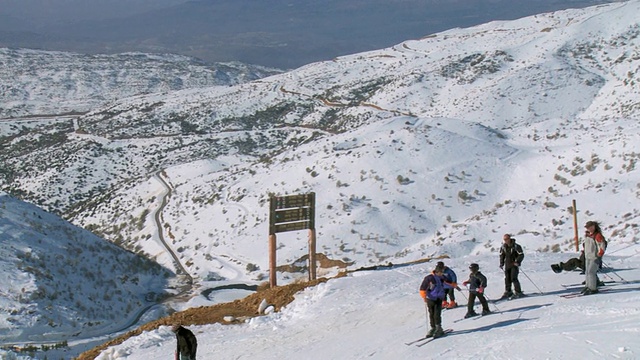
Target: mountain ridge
456,88
433,146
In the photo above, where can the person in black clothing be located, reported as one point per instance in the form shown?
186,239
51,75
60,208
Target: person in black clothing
187,343
477,283
511,256
570,265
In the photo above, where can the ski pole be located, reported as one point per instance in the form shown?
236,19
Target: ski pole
465,296
613,271
426,308
534,284
492,303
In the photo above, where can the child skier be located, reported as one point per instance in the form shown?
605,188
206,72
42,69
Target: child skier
477,283
432,291
450,284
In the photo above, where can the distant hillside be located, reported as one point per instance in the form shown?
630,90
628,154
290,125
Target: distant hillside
60,280
36,82
431,146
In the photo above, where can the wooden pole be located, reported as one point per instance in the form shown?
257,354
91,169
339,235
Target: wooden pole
272,261
312,254
575,225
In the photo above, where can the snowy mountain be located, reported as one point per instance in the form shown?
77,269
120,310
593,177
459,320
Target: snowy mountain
34,82
434,146
61,280
391,141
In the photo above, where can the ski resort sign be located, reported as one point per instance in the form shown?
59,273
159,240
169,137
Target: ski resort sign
292,213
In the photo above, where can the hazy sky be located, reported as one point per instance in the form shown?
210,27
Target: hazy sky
47,12
277,33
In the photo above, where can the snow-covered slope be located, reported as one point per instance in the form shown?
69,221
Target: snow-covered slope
371,315
34,82
409,148
390,140
438,145
60,280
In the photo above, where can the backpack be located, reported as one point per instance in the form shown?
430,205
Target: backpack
438,290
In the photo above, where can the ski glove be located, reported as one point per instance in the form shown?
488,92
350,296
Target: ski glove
480,290
600,252
465,283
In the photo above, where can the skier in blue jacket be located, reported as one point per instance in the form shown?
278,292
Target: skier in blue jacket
449,286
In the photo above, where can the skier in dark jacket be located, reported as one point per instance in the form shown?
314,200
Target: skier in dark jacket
432,292
570,265
449,286
477,283
187,343
511,256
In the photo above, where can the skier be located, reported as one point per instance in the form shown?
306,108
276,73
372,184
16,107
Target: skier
432,292
449,286
187,343
594,248
511,256
570,265
477,283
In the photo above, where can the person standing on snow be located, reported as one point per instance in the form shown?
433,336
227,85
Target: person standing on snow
433,294
187,343
594,247
511,256
449,286
477,283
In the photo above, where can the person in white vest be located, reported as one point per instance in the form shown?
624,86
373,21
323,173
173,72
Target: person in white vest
594,248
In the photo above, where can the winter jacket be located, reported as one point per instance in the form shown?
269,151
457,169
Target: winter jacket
450,278
476,281
594,246
511,254
187,344
432,287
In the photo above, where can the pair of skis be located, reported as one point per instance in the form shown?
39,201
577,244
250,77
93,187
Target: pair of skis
508,298
601,283
579,293
427,339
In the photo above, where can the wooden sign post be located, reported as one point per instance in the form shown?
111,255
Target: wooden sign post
575,225
292,213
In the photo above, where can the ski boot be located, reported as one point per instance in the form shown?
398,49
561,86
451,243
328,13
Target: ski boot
471,314
431,332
